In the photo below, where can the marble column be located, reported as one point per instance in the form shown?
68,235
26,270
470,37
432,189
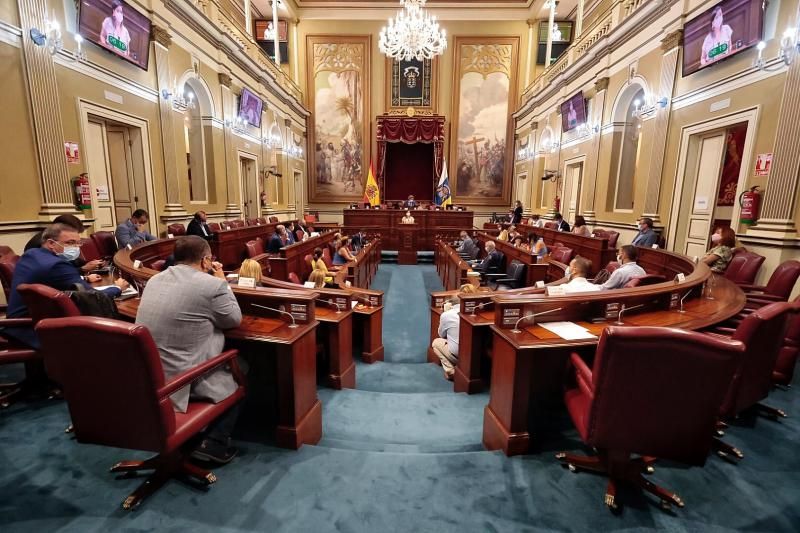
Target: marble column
173,209
589,186
233,208
670,45
42,91
780,197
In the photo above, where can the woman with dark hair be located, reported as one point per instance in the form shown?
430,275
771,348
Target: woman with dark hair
343,255
580,227
537,245
113,33
718,257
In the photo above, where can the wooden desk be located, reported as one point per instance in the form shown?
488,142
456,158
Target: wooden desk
387,223
361,271
408,237
529,367
292,258
535,270
451,268
228,245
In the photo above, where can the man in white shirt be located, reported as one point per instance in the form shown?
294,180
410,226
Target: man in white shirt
446,346
537,222
627,270
577,271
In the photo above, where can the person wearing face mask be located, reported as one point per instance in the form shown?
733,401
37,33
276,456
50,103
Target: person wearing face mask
627,270
186,311
49,265
76,223
646,237
576,273
723,241
113,33
132,232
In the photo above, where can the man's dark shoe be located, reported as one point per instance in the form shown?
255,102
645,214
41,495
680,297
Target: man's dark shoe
215,452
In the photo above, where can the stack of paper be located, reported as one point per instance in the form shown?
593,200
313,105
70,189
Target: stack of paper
568,330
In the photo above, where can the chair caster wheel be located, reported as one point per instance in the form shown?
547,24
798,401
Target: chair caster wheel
561,455
611,502
650,469
572,467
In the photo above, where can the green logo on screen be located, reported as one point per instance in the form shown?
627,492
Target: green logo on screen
719,50
116,43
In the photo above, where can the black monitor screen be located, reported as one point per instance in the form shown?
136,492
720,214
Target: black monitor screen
117,27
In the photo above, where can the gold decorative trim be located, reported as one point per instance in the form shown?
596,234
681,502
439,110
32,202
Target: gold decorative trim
601,84
225,79
161,36
672,40
486,59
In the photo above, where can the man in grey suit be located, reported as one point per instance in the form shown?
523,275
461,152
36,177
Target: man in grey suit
186,310
468,246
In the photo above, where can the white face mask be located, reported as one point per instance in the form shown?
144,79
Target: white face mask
715,238
568,272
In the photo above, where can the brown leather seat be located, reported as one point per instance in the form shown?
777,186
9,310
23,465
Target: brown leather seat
124,401
783,372
106,243
647,279
7,267
176,230
273,219
743,267
14,352
778,288
562,254
293,278
89,251
255,248
214,227
654,392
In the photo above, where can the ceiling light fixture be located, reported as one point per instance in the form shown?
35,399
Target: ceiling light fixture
413,33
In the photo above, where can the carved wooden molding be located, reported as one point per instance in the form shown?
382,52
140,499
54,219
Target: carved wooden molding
161,36
225,79
601,84
672,40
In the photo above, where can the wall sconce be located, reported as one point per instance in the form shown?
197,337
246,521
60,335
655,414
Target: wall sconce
790,45
648,105
550,146
238,124
522,154
179,99
80,55
273,140
295,151
49,38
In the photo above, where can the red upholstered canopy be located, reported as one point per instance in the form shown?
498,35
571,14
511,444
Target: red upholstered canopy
409,130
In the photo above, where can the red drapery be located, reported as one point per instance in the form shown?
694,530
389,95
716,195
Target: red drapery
409,130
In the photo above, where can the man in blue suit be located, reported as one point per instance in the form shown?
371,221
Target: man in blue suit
49,265
132,232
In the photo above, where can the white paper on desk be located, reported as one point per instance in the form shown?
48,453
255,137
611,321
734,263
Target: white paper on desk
569,331
353,304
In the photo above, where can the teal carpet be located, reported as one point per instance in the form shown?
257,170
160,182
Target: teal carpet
401,453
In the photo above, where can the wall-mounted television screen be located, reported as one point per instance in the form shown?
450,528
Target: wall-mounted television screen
250,108
573,112
722,31
117,27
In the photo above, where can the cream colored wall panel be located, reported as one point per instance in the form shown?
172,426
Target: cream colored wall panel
97,166
698,228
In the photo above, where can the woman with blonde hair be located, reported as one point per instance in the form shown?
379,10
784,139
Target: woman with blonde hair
251,269
317,277
467,288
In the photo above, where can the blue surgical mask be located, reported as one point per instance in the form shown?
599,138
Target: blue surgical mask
70,253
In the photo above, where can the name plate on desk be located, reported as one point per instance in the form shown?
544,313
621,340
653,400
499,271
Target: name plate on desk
680,278
612,311
674,300
298,311
247,282
137,264
556,290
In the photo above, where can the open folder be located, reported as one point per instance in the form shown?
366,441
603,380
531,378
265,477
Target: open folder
569,331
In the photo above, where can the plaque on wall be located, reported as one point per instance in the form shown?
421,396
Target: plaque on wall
411,84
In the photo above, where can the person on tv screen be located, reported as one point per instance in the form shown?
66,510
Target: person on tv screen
269,32
718,42
113,33
572,116
250,110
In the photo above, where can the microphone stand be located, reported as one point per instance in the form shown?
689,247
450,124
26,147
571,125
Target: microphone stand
532,315
684,298
332,303
479,306
619,321
290,315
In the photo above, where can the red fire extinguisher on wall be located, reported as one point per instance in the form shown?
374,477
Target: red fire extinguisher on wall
750,202
83,194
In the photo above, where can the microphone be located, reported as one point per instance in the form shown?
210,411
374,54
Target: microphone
532,315
362,299
290,315
619,321
333,303
479,306
682,299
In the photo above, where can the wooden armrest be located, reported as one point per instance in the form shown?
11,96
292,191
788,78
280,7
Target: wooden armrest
15,322
199,371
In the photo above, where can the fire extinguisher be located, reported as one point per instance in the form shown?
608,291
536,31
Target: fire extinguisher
83,194
750,202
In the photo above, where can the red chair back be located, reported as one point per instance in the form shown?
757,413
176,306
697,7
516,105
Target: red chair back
562,254
262,220
326,257
89,251
158,264
254,248
744,267
273,219
782,281
116,403
7,274
551,225
647,279
106,243
787,356
214,227
6,253
762,333
176,229
657,391
293,278
46,302
298,235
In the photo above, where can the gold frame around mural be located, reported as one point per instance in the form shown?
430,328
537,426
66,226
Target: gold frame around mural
421,110
508,168
366,156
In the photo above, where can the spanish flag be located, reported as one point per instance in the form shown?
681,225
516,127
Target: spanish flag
372,193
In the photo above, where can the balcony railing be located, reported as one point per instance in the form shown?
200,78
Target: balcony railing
620,11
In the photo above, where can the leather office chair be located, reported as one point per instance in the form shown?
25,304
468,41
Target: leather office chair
647,279
654,392
298,235
562,254
261,221
89,251
273,219
158,264
255,248
14,352
46,302
309,218
513,278
7,274
777,289
326,257
214,227
238,223
612,236
787,356
294,278
6,252
106,243
135,412
762,333
744,267
176,230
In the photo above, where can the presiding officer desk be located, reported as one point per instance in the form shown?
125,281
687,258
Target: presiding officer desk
529,364
387,223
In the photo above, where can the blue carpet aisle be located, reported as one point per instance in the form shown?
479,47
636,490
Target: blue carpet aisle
400,454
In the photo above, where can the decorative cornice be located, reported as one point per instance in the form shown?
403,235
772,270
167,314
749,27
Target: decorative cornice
672,40
287,122
225,79
161,36
601,84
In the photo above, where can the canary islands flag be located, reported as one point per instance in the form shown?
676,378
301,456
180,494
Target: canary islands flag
372,193
443,197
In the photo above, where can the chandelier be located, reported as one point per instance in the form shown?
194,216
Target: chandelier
412,34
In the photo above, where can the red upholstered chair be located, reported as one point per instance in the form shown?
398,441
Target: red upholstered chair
298,235
252,221
238,223
214,227
89,251
326,257
273,219
309,218
261,221
176,229
255,248
654,392
7,273
647,279
778,288
46,302
744,267
294,278
14,352
562,254
106,243
124,401
787,357
6,252
158,264
551,225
